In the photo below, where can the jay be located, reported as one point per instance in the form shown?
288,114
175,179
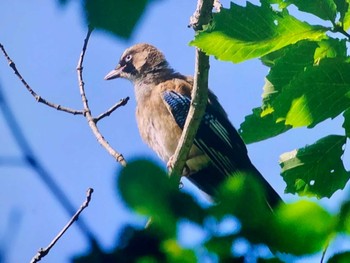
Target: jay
163,99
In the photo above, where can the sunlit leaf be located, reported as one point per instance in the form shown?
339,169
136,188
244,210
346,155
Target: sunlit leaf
242,33
316,170
330,48
320,92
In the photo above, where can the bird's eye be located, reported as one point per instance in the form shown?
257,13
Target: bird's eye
128,58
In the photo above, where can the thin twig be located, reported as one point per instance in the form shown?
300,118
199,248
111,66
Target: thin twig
122,102
199,95
324,253
44,251
91,121
32,92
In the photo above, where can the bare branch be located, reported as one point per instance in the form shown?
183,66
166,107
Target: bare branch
122,102
33,93
199,95
91,121
44,251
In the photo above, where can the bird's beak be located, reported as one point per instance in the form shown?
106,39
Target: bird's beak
115,73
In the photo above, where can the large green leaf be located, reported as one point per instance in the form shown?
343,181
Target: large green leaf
242,33
316,170
325,9
116,16
320,92
290,62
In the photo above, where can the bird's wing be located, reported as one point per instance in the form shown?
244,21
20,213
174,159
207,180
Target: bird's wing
216,136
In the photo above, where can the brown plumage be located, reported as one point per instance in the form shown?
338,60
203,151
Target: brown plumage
162,97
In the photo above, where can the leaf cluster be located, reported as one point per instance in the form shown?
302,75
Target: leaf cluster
308,80
300,228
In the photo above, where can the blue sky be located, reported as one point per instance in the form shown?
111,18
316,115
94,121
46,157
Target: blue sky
45,41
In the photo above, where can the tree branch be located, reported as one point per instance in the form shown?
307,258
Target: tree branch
92,121
33,93
108,112
44,251
199,95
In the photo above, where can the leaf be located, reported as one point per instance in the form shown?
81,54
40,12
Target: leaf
330,48
346,124
291,62
118,17
343,7
317,169
344,218
320,92
241,33
325,9
267,127
148,190
243,197
175,253
301,228
343,257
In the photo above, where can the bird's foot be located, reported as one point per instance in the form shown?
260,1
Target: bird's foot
170,167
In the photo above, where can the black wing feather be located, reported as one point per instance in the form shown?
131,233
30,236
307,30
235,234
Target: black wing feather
218,139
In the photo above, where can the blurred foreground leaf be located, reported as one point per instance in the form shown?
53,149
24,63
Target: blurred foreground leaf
148,190
116,16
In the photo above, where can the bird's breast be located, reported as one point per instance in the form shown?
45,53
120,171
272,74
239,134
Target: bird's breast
158,128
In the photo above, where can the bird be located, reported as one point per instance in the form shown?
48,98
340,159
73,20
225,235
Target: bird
163,98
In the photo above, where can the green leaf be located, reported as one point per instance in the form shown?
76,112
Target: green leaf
343,7
343,257
290,62
346,124
148,190
243,197
118,17
330,48
220,245
320,92
176,254
316,170
325,9
302,228
344,218
267,127
241,33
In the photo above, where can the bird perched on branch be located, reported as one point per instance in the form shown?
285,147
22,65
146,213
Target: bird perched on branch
163,99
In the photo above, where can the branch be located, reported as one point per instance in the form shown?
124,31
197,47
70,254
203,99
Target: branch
44,251
92,121
122,102
199,95
32,92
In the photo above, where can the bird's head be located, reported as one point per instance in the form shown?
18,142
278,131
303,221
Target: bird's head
137,62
